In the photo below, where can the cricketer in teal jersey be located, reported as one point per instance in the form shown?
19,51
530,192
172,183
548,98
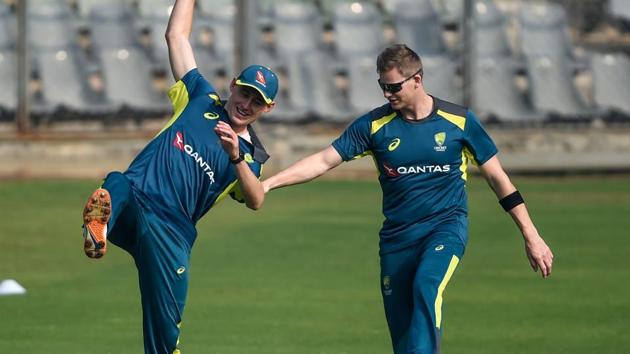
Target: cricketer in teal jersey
206,151
422,146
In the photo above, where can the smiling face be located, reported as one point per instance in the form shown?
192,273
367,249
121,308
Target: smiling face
245,106
400,76
393,80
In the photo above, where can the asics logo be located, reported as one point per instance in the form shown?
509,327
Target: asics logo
394,144
210,115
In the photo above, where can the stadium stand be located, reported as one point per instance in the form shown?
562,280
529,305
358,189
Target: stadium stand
417,24
610,84
441,78
551,63
8,77
358,29
620,10
524,67
495,94
297,28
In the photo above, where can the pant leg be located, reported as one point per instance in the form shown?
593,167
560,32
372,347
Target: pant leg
123,222
439,258
397,274
162,259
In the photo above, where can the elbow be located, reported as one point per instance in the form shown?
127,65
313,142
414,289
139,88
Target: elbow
255,204
173,36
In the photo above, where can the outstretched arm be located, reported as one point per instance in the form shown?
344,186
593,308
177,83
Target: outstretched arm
177,33
305,170
538,253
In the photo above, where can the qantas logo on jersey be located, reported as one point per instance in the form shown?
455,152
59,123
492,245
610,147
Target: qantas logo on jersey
406,170
178,142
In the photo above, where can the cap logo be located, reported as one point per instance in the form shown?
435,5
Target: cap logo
260,78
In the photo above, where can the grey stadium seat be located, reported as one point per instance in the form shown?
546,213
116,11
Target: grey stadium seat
292,102
610,82
489,37
8,77
364,93
220,19
155,8
544,31
8,28
418,26
128,81
51,28
495,93
553,89
620,9
440,78
358,29
297,27
327,100
64,85
85,6
112,25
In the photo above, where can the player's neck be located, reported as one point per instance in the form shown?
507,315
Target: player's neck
421,109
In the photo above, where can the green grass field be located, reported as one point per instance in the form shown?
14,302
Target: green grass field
301,275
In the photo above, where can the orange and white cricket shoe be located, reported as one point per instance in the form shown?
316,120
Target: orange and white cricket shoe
95,217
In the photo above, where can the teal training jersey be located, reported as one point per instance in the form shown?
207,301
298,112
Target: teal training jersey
184,170
422,166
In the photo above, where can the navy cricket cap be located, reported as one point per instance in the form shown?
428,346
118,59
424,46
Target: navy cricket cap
262,79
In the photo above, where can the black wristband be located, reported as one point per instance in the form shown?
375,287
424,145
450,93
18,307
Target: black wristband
237,160
510,201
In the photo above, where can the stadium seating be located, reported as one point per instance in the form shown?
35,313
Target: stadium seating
441,78
137,94
363,91
7,28
297,28
64,88
112,25
551,63
324,52
51,25
8,77
610,84
417,25
620,10
358,29
495,94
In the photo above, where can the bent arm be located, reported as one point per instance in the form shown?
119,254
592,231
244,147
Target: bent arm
180,51
305,170
538,253
251,186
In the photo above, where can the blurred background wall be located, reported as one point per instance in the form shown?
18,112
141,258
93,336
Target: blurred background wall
548,78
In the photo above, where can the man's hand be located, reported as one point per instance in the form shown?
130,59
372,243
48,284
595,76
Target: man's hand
538,254
229,139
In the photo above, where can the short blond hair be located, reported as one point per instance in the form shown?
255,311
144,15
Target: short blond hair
400,57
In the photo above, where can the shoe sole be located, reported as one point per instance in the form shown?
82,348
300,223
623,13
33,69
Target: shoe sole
95,217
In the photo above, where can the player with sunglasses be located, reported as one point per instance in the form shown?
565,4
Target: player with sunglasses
422,146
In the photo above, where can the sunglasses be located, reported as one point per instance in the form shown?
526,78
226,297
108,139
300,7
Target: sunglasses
395,87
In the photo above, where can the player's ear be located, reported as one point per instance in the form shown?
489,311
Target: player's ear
232,84
270,107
